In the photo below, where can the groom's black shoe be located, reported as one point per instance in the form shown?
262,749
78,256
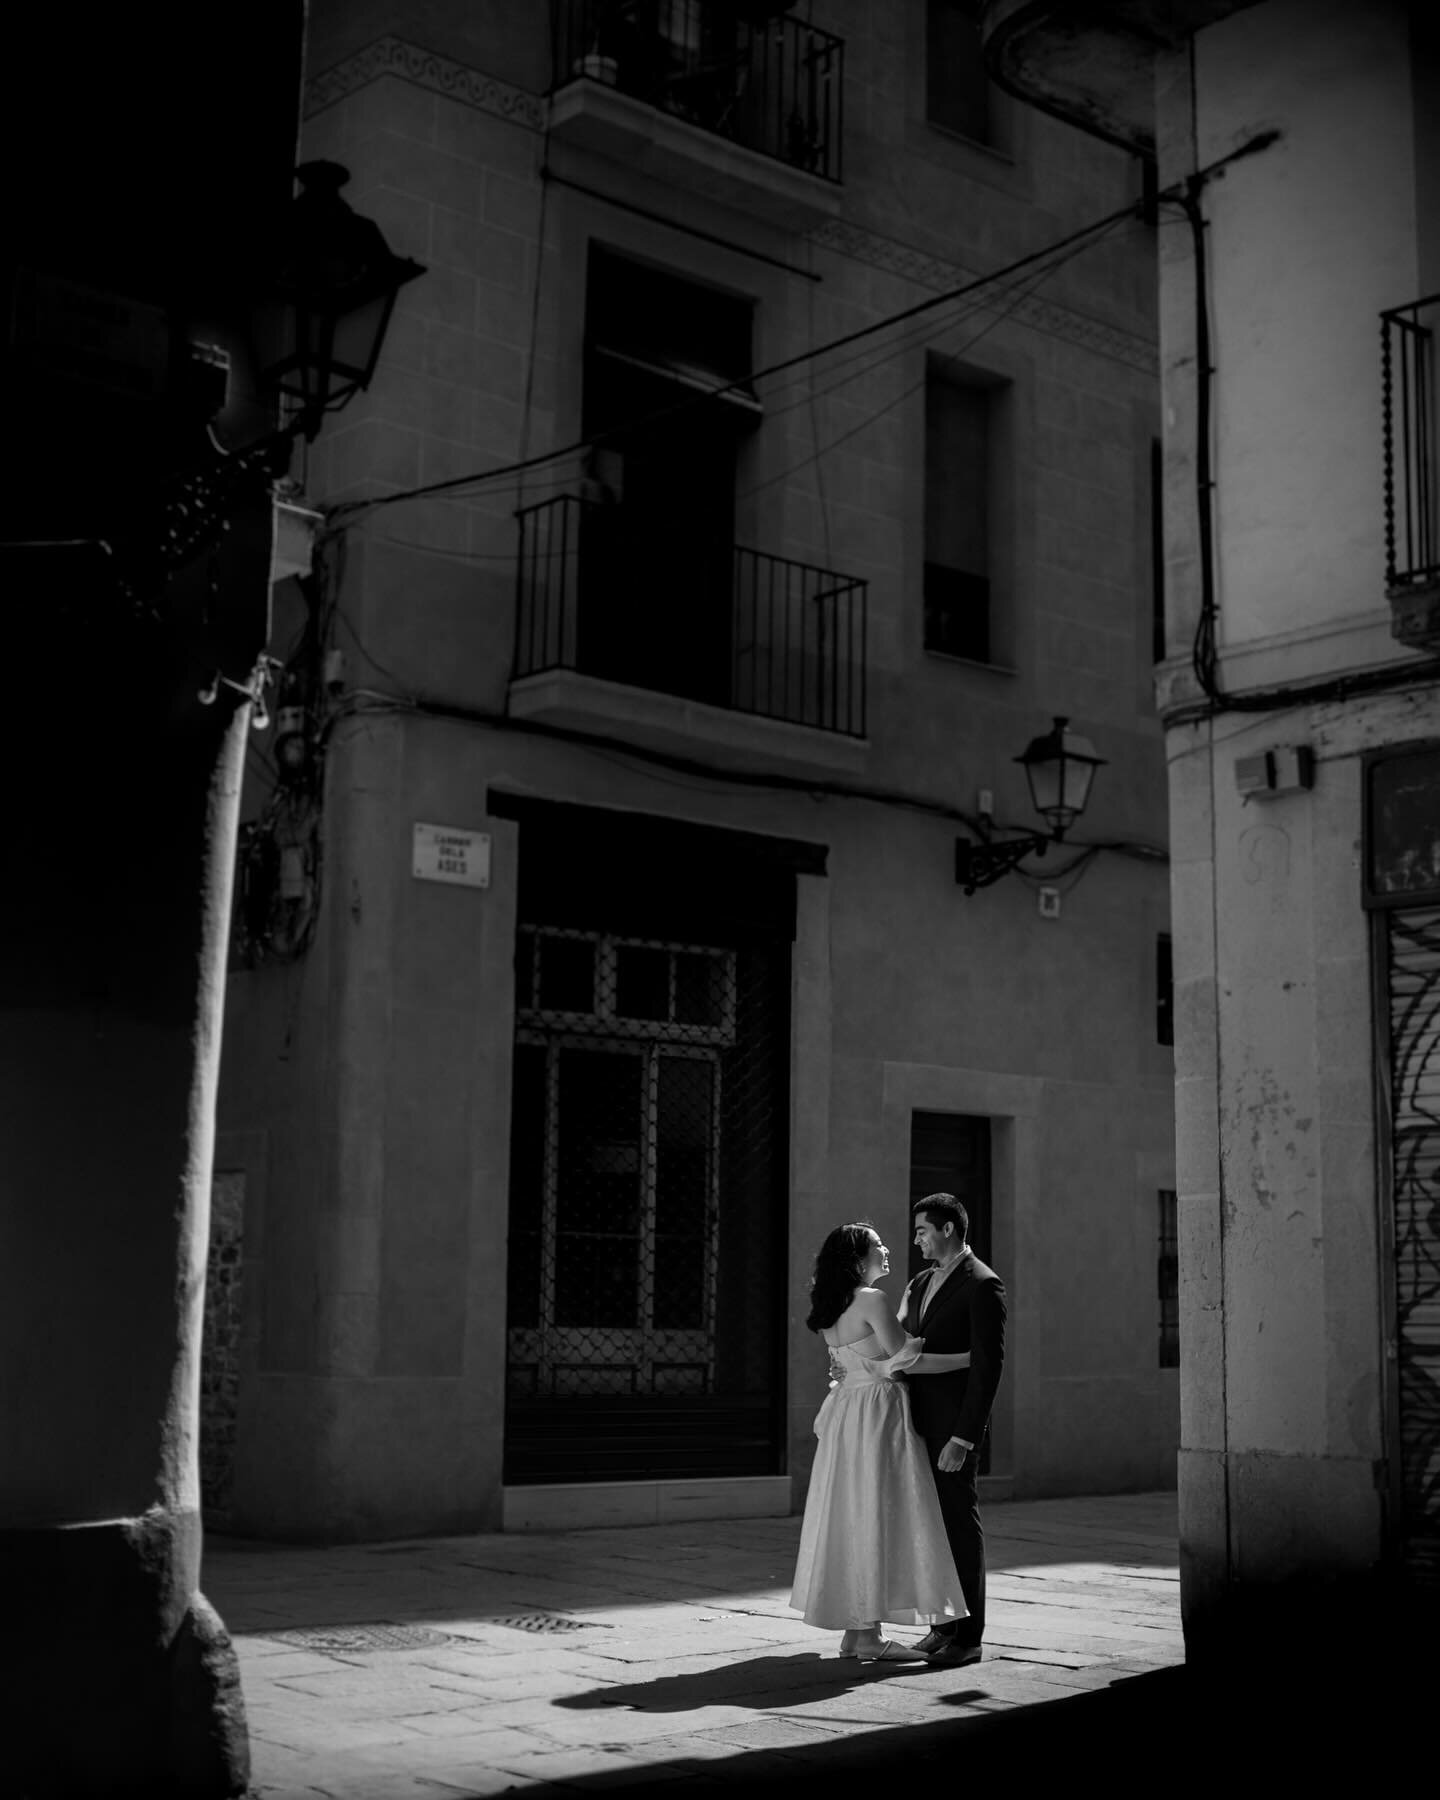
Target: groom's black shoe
951,1655
933,1641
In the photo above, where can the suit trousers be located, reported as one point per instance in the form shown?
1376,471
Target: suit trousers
960,1509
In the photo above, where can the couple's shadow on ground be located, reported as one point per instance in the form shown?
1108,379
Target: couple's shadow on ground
759,1681
1042,1741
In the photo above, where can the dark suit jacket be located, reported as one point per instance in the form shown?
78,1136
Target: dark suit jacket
968,1314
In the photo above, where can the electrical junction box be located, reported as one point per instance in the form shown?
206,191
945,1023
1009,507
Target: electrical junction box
1289,769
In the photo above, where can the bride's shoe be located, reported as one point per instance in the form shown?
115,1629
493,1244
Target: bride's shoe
891,1652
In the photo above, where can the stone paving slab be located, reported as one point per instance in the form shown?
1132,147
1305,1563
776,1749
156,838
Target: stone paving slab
689,1670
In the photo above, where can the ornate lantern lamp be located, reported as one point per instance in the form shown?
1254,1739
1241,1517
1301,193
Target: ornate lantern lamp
1059,767
325,317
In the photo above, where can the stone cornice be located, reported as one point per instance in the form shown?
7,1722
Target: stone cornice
425,69
935,272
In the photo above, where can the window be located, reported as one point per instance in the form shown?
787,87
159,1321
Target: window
664,525
1157,553
619,1083
1164,989
1402,827
959,95
590,980
958,451
1168,1271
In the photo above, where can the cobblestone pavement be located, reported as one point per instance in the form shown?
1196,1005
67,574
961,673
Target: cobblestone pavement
668,1655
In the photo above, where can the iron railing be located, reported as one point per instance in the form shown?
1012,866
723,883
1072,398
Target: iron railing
1407,363
609,594
775,85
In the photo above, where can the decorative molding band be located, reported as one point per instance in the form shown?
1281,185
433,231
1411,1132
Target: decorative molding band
934,272
456,81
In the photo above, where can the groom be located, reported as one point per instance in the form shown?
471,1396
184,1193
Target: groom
957,1304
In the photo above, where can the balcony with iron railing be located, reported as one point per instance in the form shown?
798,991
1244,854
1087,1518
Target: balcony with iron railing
742,103
608,602
1412,496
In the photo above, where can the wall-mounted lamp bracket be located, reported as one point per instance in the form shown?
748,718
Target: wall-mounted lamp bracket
980,865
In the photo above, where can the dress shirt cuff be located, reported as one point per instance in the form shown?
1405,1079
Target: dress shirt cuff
964,1443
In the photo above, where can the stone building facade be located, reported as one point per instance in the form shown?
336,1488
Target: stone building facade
603,947
1298,164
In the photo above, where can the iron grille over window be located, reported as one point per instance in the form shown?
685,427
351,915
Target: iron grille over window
1411,951
1168,1264
1412,550
649,1097
1402,827
620,1052
774,85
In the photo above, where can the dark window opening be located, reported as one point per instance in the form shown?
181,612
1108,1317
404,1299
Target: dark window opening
1168,1273
958,592
1157,551
656,556
959,95
642,978
1164,989
1147,189
567,975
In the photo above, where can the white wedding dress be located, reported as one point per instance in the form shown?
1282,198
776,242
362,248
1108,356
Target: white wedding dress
872,1545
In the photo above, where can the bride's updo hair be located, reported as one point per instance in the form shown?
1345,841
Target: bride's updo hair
839,1270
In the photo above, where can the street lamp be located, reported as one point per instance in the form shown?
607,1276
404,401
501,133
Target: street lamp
1059,768
318,329
324,319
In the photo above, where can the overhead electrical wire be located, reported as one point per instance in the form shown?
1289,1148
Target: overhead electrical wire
1078,238
905,394
366,702
1003,291
361,701
858,366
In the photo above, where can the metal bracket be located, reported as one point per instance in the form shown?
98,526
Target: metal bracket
980,865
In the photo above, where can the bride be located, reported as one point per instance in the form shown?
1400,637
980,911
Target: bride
873,1544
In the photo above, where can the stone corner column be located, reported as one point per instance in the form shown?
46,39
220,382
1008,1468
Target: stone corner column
124,1680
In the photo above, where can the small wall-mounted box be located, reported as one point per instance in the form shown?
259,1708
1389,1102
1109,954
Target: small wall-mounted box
1289,769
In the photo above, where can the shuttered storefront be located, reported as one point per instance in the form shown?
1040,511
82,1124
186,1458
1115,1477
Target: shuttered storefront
1402,886
1413,997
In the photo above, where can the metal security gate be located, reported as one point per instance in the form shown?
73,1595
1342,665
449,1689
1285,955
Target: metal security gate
1412,998
647,1206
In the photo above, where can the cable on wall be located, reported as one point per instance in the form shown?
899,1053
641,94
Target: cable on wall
1204,658
360,701
578,446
